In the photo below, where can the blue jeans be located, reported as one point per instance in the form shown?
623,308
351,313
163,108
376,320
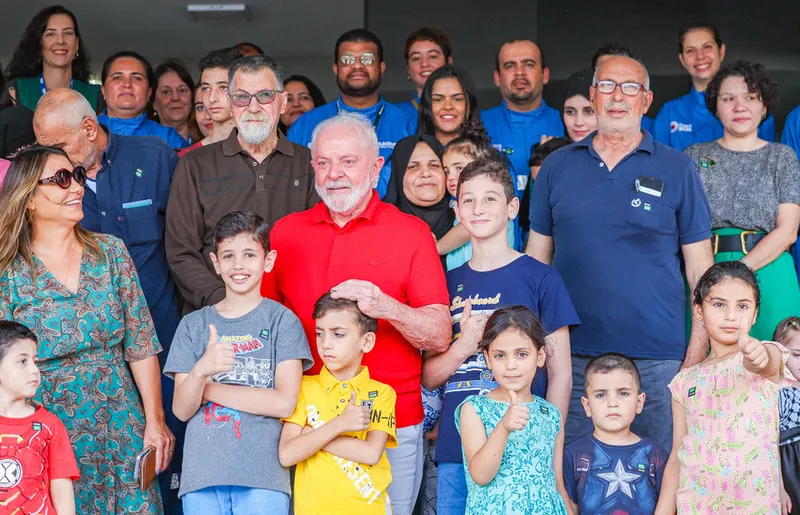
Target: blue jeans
451,496
235,500
655,421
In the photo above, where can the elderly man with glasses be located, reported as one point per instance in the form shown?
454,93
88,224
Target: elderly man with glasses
255,169
613,213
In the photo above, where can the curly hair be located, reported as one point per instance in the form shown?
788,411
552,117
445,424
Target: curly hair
756,78
27,60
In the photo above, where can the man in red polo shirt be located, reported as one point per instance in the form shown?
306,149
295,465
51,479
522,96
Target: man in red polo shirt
365,250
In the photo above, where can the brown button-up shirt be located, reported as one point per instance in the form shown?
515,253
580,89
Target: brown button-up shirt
215,180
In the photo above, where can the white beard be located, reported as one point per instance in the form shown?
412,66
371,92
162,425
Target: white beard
255,133
339,203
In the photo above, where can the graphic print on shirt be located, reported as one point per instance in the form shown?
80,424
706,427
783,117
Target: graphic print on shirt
22,466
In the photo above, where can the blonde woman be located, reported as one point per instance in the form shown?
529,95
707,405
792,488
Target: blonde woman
80,294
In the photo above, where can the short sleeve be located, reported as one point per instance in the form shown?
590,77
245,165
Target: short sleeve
694,213
426,281
540,214
140,340
677,386
185,350
788,177
290,340
555,306
570,482
60,458
475,406
300,415
383,414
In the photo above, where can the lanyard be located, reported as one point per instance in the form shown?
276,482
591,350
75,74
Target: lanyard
377,117
44,89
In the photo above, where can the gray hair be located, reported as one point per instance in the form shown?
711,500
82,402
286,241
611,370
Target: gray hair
72,107
356,121
254,64
646,74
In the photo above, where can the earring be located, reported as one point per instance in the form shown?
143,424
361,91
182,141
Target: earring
408,77
76,55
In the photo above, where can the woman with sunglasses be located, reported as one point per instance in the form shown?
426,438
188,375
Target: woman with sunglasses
80,294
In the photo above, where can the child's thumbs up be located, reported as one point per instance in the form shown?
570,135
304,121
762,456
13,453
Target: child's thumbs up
353,397
513,397
212,334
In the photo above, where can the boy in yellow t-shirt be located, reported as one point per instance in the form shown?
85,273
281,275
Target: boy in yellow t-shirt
343,421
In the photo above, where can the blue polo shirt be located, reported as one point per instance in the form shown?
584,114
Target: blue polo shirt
619,250
686,120
390,123
130,203
142,126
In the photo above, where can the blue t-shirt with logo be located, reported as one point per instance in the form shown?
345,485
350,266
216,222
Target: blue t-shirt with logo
686,120
524,281
607,479
391,125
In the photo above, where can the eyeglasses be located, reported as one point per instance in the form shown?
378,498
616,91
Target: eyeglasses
263,97
630,89
63,177
367,58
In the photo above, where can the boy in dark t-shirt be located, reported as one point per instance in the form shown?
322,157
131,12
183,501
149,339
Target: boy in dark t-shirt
612,470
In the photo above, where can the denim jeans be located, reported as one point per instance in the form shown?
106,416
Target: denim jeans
655,421
451,496
406,461
235,500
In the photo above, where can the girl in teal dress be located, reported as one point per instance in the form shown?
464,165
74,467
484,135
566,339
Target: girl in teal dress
512,441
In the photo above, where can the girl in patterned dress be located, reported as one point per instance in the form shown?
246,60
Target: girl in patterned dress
725,415
788,334
512,440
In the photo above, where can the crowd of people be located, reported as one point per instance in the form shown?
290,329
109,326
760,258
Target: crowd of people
430,307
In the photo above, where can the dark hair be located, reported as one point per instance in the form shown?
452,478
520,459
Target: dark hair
27,60
472,122
756,78
518,40
316,94
541,150
173,65
611,49
609,362
726,270
327,304
494,170
254,64
10,332
242,222
5,98
434,35
220,58
148,69
785,328
513,318
476,146
358,36
240,46
699,25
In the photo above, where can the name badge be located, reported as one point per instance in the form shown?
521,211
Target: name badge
137,203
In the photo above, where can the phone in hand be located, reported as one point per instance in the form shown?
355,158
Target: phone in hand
145,471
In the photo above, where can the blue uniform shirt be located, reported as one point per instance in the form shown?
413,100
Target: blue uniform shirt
617,249
687,120
130,203
392,126
647,123
142,126
411,110
791,137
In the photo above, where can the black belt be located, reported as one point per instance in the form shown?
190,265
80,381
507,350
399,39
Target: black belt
743,242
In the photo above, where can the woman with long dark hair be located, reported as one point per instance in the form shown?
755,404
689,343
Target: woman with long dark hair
448,106
302,96
51,55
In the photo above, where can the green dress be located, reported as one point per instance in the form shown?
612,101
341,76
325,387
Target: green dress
85,342
525,484
29,91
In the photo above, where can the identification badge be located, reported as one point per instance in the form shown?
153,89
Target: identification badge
138,203
650,186
522,181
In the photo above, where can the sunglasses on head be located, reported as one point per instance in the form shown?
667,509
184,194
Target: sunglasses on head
63,177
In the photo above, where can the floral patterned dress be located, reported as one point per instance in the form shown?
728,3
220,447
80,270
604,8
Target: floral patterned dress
85,340
525,484
729,456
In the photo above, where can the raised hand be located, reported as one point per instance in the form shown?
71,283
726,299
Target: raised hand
354,418
471,327
753,350
516,416
219,357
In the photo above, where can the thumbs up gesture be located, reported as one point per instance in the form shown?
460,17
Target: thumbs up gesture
516,416
354,417
753,350
218,357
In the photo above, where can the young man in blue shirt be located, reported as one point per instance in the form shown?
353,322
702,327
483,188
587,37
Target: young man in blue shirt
359,66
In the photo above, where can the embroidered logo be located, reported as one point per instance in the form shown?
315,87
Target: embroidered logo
679,127
373,394
508,151
706,162
636,202
647,207
641,467
265,333
692,391
460,288
139,172
37,426
545,410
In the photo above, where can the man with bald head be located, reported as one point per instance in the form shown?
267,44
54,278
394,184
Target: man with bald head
614,213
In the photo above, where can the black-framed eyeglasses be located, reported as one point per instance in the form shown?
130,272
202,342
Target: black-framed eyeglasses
367,58
630,89
263,97
63,177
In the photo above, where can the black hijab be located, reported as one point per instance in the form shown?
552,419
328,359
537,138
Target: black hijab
440,216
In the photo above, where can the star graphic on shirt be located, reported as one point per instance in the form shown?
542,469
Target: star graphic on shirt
619,480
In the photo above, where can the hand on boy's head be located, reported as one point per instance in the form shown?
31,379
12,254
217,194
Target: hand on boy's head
517,415
219,357
354,418
370,298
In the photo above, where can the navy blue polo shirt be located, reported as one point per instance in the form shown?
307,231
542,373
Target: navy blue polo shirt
130,203
617,249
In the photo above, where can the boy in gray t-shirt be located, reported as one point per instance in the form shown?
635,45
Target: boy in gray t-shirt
237,367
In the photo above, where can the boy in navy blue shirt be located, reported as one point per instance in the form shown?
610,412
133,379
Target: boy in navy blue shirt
612,470
496,276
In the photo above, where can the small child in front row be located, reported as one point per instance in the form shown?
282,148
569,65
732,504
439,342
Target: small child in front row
37,465
512,440
613,470
343,421
237,367
725,415
788,334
